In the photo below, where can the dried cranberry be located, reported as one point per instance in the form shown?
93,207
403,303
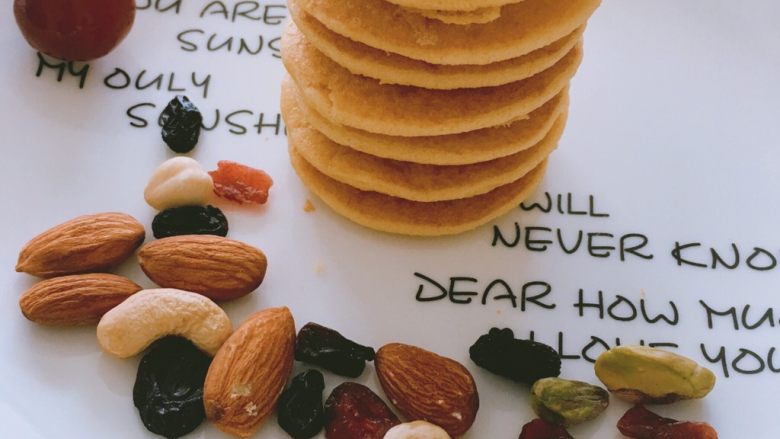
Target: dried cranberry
168,389
353,411
539,429
641,423
240,183
190,220
299,410
524,361
330,350
181,121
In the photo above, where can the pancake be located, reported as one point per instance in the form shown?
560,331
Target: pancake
452,5
396,215
476,16
412,181
396,69
397,110
456,149
522,28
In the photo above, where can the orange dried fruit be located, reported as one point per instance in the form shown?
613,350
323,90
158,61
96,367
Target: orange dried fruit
240,183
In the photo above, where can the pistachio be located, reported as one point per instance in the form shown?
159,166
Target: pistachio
643,375
567,402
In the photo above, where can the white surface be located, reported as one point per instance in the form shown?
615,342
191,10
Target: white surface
673,128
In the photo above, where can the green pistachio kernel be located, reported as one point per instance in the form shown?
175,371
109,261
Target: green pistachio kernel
567,402
643,375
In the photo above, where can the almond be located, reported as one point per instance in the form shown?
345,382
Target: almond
217,267
84,244
249,372
75,300
428,387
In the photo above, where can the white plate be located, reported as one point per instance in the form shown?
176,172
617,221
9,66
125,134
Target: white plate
673,131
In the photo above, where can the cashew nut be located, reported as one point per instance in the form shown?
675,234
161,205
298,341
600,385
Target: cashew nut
146,316
416,430
180,181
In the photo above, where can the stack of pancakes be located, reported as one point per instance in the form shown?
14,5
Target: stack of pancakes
427,117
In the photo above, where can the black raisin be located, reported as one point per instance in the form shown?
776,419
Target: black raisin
299,410
168,389
524,361
190,220
330,350
181,121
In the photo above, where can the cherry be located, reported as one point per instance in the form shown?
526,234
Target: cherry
76,30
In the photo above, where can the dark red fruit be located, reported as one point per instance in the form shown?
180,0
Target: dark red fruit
241,183
77,30
539,429
641,423
353,411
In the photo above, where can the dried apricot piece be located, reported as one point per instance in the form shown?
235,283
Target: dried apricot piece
240,183
540,429
641,423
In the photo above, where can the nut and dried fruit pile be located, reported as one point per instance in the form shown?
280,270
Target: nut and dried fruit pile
181,189
636,374
180,327
196,367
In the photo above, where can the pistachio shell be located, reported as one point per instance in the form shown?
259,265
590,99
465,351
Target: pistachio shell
567,402
643,375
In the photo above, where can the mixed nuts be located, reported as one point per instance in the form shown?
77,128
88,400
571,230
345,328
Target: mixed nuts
567,402
643,375
180,181
217,267
426,386
416,430
178,325
85,244
136,323
178,384
249,372
79,299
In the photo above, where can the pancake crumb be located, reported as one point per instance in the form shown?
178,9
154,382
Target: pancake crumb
308,207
